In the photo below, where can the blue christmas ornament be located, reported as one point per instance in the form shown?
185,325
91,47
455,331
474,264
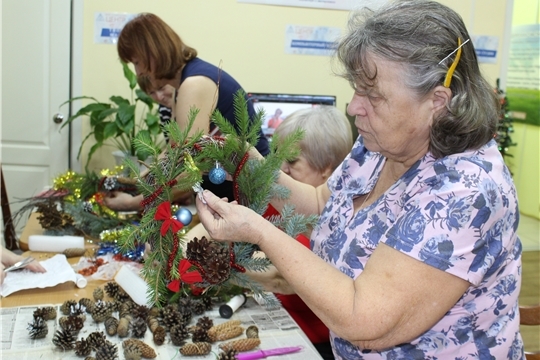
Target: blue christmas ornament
217,175
184,216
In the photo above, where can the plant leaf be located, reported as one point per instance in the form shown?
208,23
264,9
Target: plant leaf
129,75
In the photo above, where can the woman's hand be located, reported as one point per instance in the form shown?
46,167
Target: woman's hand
229,221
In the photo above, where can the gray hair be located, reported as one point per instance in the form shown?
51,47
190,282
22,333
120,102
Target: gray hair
327,135
418,34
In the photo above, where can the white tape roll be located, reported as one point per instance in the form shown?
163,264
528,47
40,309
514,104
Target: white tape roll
133,284
81,281
49,243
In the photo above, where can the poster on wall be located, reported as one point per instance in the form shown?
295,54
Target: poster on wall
107,26
486,48
523,77
321,4
311,40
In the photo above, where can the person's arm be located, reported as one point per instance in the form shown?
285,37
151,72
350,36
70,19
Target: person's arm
197,92
390,303
9,258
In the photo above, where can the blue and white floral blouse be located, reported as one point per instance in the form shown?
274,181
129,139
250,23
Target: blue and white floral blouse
458,214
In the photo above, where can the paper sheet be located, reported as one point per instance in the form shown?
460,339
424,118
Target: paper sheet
58,271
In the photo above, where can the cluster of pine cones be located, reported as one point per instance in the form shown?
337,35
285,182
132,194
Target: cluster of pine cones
174,321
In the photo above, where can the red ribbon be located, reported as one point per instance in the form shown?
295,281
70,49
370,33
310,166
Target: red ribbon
164,213
190,277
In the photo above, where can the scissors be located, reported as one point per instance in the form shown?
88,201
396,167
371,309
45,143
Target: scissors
20,264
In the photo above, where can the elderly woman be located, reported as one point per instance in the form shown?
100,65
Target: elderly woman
415,255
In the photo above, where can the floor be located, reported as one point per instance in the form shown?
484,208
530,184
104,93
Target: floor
529,233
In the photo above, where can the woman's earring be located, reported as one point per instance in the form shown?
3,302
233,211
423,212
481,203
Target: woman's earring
217,174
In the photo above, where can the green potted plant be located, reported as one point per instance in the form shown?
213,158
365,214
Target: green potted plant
119,120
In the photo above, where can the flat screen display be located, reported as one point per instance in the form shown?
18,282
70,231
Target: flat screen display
277,106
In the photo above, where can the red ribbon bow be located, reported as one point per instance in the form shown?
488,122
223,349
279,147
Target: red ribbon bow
185,276
164,213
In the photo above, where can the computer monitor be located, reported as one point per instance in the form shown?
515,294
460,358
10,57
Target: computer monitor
278,106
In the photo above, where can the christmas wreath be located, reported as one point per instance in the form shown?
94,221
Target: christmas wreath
177,266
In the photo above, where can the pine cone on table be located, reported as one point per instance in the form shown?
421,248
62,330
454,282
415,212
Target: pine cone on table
140,311
159,335
96,339
207,301
185,316
240,345
194,349
107,351
227,355
212,256
171,316
65,308
198,307
102,310
82,347
98,294
138,327
132,352
252,332
88,304
225,333
38,329
146,350
74,252
73,323
205,322
123,326
200,335
178,334
64,339
111,325
47,313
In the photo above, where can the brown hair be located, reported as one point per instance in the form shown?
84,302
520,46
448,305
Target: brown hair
155,45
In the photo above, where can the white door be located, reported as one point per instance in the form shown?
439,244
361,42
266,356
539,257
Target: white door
35,81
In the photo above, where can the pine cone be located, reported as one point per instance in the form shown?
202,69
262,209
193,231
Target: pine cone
200,335
178,334
185,316
138,327
126,308
225,333
252,332
194,349
140,311
207,301
123,326
226,324
132,352
74,252
73,323
82,347
240,345
159,335
107,351
101,311
64,339
198,307
111,325
65,308
89,358
146,350
88,304
205,322
227,355
171,316
153,323
111,289
38,329
98,294
47,313
96,339
213,258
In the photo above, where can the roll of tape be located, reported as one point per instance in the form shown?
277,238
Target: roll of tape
49,243
133,284
226,310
